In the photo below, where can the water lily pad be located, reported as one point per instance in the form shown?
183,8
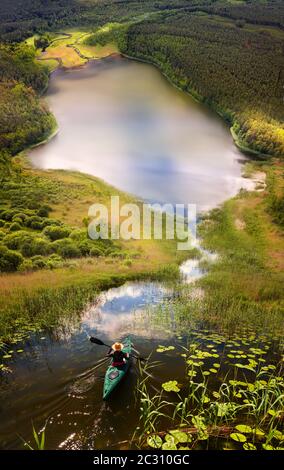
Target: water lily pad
155,442
249,446
170,439
171,386
169,446
179,436
259,432
161,349
214,371
244,428
268,447
7,356
238,437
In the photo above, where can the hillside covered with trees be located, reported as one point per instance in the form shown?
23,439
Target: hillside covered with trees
234,67
24,119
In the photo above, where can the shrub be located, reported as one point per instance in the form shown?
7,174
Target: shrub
20,216
2,234
66,248
36,246
48,222
44,211
34,222
78,234
41,246
2,223
9,260
85,247
54,261
17,220
56,233
38,262
96,251
15,227
26,266
26,248
15,240
8,214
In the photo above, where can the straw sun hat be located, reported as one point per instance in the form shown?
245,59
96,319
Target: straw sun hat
117,346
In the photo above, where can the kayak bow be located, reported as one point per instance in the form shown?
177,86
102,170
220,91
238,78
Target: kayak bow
114,375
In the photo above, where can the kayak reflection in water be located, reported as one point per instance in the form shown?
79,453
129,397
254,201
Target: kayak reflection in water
118,356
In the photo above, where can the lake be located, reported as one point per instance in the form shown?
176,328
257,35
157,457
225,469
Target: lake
122,121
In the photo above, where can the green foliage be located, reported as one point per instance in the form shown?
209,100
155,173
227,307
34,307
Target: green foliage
96,251
26,228
66,248
56,232
42,42
111,32
171,386
14,227
24,119
9,260
275,200
17,65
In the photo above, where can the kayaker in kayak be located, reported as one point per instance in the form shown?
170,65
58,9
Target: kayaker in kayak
118,356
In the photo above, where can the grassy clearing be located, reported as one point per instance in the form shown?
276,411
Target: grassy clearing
245,286
98,51
67,56
69,49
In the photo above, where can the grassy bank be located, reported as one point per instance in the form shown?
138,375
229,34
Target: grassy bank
244,287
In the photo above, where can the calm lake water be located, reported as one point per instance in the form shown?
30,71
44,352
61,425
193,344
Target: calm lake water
122,121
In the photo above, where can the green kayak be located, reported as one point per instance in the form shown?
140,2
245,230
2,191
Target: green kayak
115,374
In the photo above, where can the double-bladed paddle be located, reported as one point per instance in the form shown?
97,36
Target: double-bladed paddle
101,343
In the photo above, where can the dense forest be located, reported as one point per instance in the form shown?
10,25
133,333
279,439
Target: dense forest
24,119
237,70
